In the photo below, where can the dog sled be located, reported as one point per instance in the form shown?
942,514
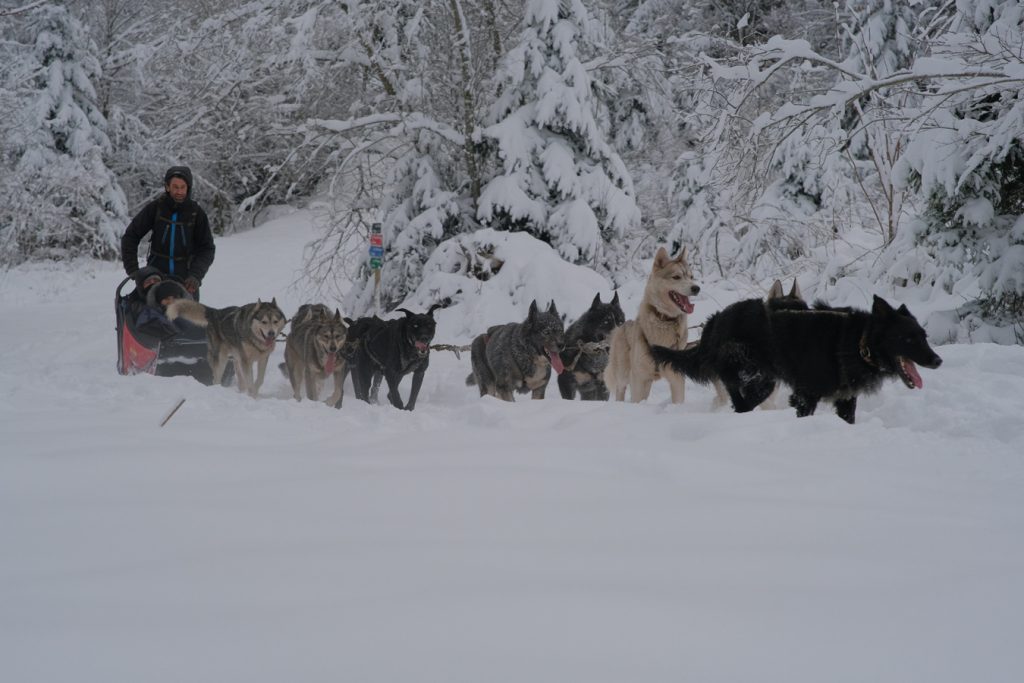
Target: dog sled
149,343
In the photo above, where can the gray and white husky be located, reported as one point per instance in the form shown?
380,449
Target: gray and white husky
243,334
313,352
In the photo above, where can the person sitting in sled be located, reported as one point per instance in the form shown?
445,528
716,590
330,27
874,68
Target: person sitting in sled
180,244
158,294
164,293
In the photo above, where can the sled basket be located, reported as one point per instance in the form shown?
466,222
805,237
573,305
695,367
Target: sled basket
147,343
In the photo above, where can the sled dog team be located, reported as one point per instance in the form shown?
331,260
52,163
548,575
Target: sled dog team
820,352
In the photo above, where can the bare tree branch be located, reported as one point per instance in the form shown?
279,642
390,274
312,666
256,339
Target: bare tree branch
25,8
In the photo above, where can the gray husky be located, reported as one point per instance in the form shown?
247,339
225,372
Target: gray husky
312,352
244,334
585,355
518,356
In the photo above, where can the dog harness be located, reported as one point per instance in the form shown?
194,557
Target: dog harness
376,361
588,349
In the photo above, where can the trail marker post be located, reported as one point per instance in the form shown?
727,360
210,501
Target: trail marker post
376,261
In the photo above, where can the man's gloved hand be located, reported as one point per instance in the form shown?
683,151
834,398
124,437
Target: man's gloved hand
145,277
192,284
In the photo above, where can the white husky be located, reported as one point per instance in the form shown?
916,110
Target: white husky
661,320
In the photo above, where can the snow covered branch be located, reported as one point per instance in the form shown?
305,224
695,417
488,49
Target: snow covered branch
8,12
404,123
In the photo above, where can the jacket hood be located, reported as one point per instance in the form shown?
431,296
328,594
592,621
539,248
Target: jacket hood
183,172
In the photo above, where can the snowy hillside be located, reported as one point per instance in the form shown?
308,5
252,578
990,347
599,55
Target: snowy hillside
473,540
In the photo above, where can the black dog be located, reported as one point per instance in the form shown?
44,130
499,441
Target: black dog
390,349
827,353
585,355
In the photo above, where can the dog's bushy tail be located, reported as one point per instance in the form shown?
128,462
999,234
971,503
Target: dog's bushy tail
192,311
690,362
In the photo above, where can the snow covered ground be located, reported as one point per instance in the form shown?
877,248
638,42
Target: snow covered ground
473,540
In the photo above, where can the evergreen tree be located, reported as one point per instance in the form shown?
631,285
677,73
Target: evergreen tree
966,162
882,36
62,199
560,180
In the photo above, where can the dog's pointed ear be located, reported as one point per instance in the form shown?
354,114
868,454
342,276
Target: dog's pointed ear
903,310
776,290
430,311
597,300
880,306
615,299
337,315
661,258
682,256
259,301
533,310
406,311
273,302
552,308
795,292
349,321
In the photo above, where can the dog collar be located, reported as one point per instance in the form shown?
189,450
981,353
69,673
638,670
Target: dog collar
662,317
865,352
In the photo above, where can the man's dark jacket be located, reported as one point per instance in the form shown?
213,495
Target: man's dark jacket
181,244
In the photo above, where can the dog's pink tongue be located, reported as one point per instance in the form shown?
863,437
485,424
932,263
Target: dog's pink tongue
912,373
556,362
329,363
683,302
421,346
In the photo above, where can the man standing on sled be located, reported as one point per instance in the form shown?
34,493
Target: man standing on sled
181,245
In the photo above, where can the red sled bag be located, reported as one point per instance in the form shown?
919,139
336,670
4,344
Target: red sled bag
136,353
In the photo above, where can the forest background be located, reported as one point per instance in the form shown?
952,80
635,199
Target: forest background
870,144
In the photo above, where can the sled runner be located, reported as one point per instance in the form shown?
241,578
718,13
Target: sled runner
147,342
